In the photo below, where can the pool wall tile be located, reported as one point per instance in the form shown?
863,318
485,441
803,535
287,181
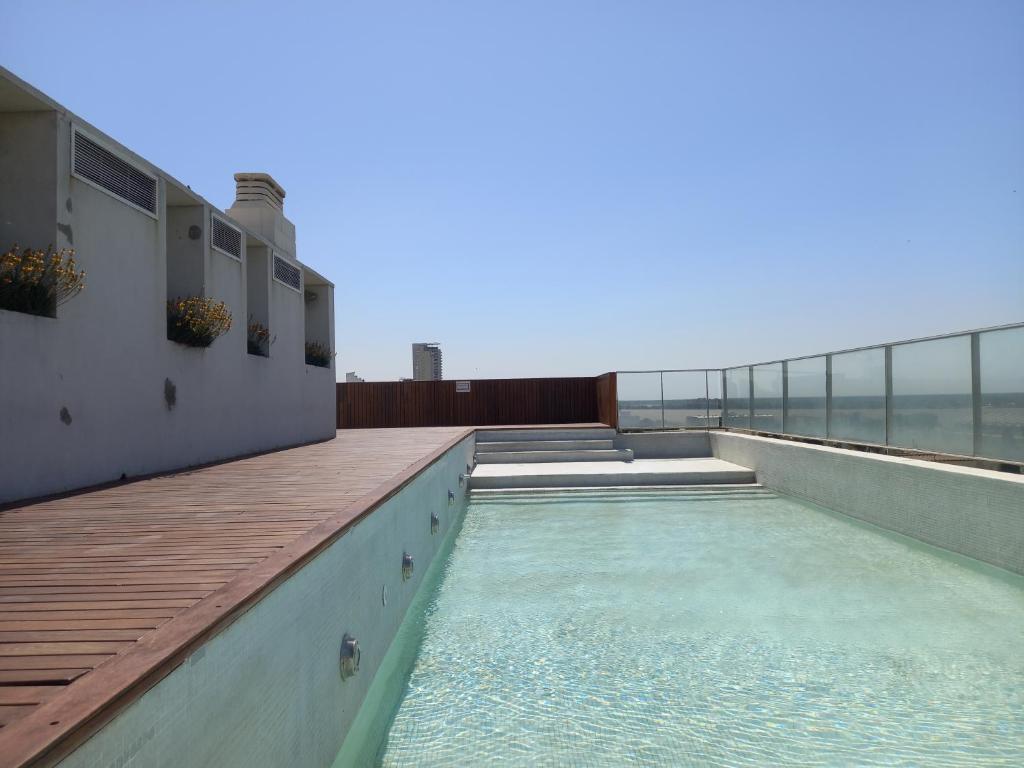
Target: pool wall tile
267,691
974,512
665,445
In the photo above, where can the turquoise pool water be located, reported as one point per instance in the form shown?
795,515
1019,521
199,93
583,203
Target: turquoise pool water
727,628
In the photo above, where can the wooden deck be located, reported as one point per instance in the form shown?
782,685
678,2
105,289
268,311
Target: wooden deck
103,593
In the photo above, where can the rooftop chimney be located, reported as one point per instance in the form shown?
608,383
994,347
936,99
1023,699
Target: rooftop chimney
259,205
258,188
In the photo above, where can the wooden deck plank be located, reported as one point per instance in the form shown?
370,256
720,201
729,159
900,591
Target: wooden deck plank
13,695
88,615
41,676
9,714
194,577
108,566
145,591
81,624
98,600
165,562
90,660
60,648
69,633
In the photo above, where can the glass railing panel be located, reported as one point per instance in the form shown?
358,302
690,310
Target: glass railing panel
715,397
737,398
686,403
805,404
931,396
639,398
767,410
858,396
1002,394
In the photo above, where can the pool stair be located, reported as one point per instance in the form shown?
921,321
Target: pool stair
593,474
547,446
585,458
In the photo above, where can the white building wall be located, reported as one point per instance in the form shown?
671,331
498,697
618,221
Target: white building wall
28,168
133,403
318,313
186,258
257,282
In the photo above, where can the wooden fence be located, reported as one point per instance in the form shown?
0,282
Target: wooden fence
607,399
478,402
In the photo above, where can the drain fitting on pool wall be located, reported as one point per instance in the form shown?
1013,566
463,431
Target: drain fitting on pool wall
435,522
451,497
350,654
406,566
462,479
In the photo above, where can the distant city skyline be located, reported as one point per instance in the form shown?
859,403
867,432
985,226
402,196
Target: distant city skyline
576,187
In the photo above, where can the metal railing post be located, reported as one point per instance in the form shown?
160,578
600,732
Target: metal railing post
707,401
785,396
888,394
976,445
750,403
828,395
661,378
725,399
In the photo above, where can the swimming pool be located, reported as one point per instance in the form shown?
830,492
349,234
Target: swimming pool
697,627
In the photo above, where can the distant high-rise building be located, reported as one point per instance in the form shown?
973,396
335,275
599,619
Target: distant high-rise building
351,377
426,361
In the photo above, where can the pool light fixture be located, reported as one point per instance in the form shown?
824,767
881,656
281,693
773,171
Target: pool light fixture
407,566
350,655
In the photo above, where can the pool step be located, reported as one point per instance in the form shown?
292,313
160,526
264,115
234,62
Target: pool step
544,435
548,446
732,491
548,455
642,472
501,446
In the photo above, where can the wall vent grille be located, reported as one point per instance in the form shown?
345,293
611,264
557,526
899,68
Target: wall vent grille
287,273
225,238
101,167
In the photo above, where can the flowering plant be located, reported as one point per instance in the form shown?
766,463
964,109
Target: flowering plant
196,321
37,282
259,339
318,354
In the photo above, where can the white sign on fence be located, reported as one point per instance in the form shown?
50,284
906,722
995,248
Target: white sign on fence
462,386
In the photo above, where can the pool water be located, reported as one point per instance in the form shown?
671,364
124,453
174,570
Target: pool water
701,627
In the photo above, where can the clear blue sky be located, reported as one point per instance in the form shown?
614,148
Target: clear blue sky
550,187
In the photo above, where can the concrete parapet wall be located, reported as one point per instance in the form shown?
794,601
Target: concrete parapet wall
666,445
267,691
974,512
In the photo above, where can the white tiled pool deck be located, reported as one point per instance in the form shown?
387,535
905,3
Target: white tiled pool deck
604,474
